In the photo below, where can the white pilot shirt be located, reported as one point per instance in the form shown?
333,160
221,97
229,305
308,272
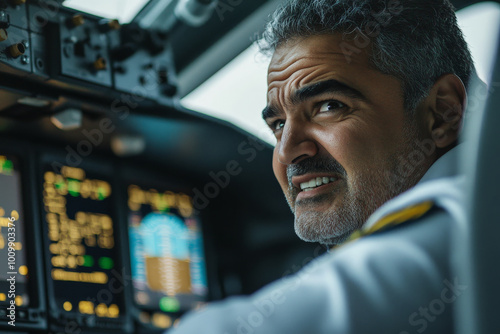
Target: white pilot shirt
395,281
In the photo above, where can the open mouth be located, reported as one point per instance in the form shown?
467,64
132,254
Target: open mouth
316,182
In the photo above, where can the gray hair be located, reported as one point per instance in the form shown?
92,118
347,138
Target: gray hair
416,41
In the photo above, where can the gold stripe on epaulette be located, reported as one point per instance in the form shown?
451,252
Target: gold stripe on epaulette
398,217
407,214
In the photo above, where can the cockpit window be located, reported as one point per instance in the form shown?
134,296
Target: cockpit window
481,38
123,10
236,93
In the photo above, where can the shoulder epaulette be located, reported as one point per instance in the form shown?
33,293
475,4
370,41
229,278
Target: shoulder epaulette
396,218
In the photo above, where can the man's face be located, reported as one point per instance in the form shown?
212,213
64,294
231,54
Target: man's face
341,132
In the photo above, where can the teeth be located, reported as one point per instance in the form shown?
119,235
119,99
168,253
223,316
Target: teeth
316,182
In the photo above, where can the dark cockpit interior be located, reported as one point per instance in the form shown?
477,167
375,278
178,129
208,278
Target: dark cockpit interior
120,208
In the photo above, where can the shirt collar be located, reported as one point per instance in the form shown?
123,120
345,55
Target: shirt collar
445,166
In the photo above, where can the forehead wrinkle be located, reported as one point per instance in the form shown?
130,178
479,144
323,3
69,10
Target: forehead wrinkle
274,83
290,60
283,73
283,93
283,70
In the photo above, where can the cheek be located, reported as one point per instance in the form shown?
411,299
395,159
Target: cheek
350,144
279,171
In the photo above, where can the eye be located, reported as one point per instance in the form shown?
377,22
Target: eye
277,125
331,106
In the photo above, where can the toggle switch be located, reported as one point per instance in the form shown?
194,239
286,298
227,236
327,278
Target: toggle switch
17,50
77,20
4,35
100,64
107,25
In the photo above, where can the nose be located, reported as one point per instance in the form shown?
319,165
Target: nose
296,143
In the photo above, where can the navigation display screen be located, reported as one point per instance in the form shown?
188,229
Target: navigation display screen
13,258
80,235
166,250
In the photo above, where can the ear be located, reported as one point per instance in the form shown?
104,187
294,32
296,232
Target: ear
446,105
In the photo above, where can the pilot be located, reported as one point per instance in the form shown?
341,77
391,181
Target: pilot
366,99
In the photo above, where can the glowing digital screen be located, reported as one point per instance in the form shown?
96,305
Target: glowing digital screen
81,242
13,259
166,248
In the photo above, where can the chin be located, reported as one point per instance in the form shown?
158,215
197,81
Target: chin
328,228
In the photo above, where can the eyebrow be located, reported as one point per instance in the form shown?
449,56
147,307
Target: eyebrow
315,89
322,87
269,112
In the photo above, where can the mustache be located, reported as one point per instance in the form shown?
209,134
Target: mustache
323,164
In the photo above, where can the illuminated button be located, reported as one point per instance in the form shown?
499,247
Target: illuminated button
67,306
74,188
142,298
49,177
7,166
113,311
88,261
54,248
81,217
100,64
107,223
19,301
169,304
14,214
73,173
71,261
16,50
144,317
90,241
4,35
74,249
2,212
161,320
60,185
101,310
23,270
77,20
3,297
86,307
106,262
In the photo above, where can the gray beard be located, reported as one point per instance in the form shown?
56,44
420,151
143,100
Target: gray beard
359,202
362,196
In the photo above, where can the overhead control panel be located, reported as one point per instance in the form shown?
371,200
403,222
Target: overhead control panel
62,52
